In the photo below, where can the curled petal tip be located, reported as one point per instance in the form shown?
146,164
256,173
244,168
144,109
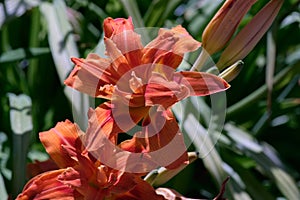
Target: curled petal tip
76,60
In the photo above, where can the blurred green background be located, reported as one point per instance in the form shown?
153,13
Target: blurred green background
260,143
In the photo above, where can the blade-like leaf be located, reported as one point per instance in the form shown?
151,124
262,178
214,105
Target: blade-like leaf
21,53
21,125
63,47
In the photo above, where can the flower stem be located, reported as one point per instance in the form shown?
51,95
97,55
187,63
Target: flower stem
200,61
261,92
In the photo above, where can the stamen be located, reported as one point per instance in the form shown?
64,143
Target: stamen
135,83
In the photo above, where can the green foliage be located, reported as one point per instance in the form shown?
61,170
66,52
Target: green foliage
258,147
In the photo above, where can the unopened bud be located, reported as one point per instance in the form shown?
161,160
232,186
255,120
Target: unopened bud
231,72
223,25
249,36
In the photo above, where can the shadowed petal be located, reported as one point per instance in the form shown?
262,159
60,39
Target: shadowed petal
171,194
164,140
39,167
141,190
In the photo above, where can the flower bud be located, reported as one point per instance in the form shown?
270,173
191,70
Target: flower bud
223,25
231,72
249,36
115,26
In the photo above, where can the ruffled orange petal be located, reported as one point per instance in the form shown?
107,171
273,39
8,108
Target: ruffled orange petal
38,167
59,141
141,190
46,186
165,142
116,26
200,83
121,31
106,122
93,76
118,60
169,47
161,91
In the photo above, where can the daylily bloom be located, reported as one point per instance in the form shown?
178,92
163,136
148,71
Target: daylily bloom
80,175
141,85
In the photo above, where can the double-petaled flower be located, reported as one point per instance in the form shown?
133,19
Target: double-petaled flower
79,175
141,84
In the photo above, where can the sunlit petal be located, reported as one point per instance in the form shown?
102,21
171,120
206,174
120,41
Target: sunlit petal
169,47
63,136
116,26
92,76
46,186
161,91
200,83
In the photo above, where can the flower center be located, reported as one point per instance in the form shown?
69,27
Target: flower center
135,83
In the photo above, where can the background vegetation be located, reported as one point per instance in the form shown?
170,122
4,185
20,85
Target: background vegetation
260,143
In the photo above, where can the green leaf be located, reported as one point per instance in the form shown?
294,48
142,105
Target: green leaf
21,53
204,141
158,12
3,191
63,47
21,124
20,117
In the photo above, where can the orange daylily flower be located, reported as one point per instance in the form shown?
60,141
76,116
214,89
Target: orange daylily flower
81,176
141,85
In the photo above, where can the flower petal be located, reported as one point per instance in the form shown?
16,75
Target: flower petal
118,60
63,136
116,26
161,91
38,167
108,120
171,194
165,144
200,83
46,186
142,190
121,32
169,47
93,76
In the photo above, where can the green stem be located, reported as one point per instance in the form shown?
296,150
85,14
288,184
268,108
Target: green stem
200,61
260,92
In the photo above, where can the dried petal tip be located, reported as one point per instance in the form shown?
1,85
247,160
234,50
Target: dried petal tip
231,72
